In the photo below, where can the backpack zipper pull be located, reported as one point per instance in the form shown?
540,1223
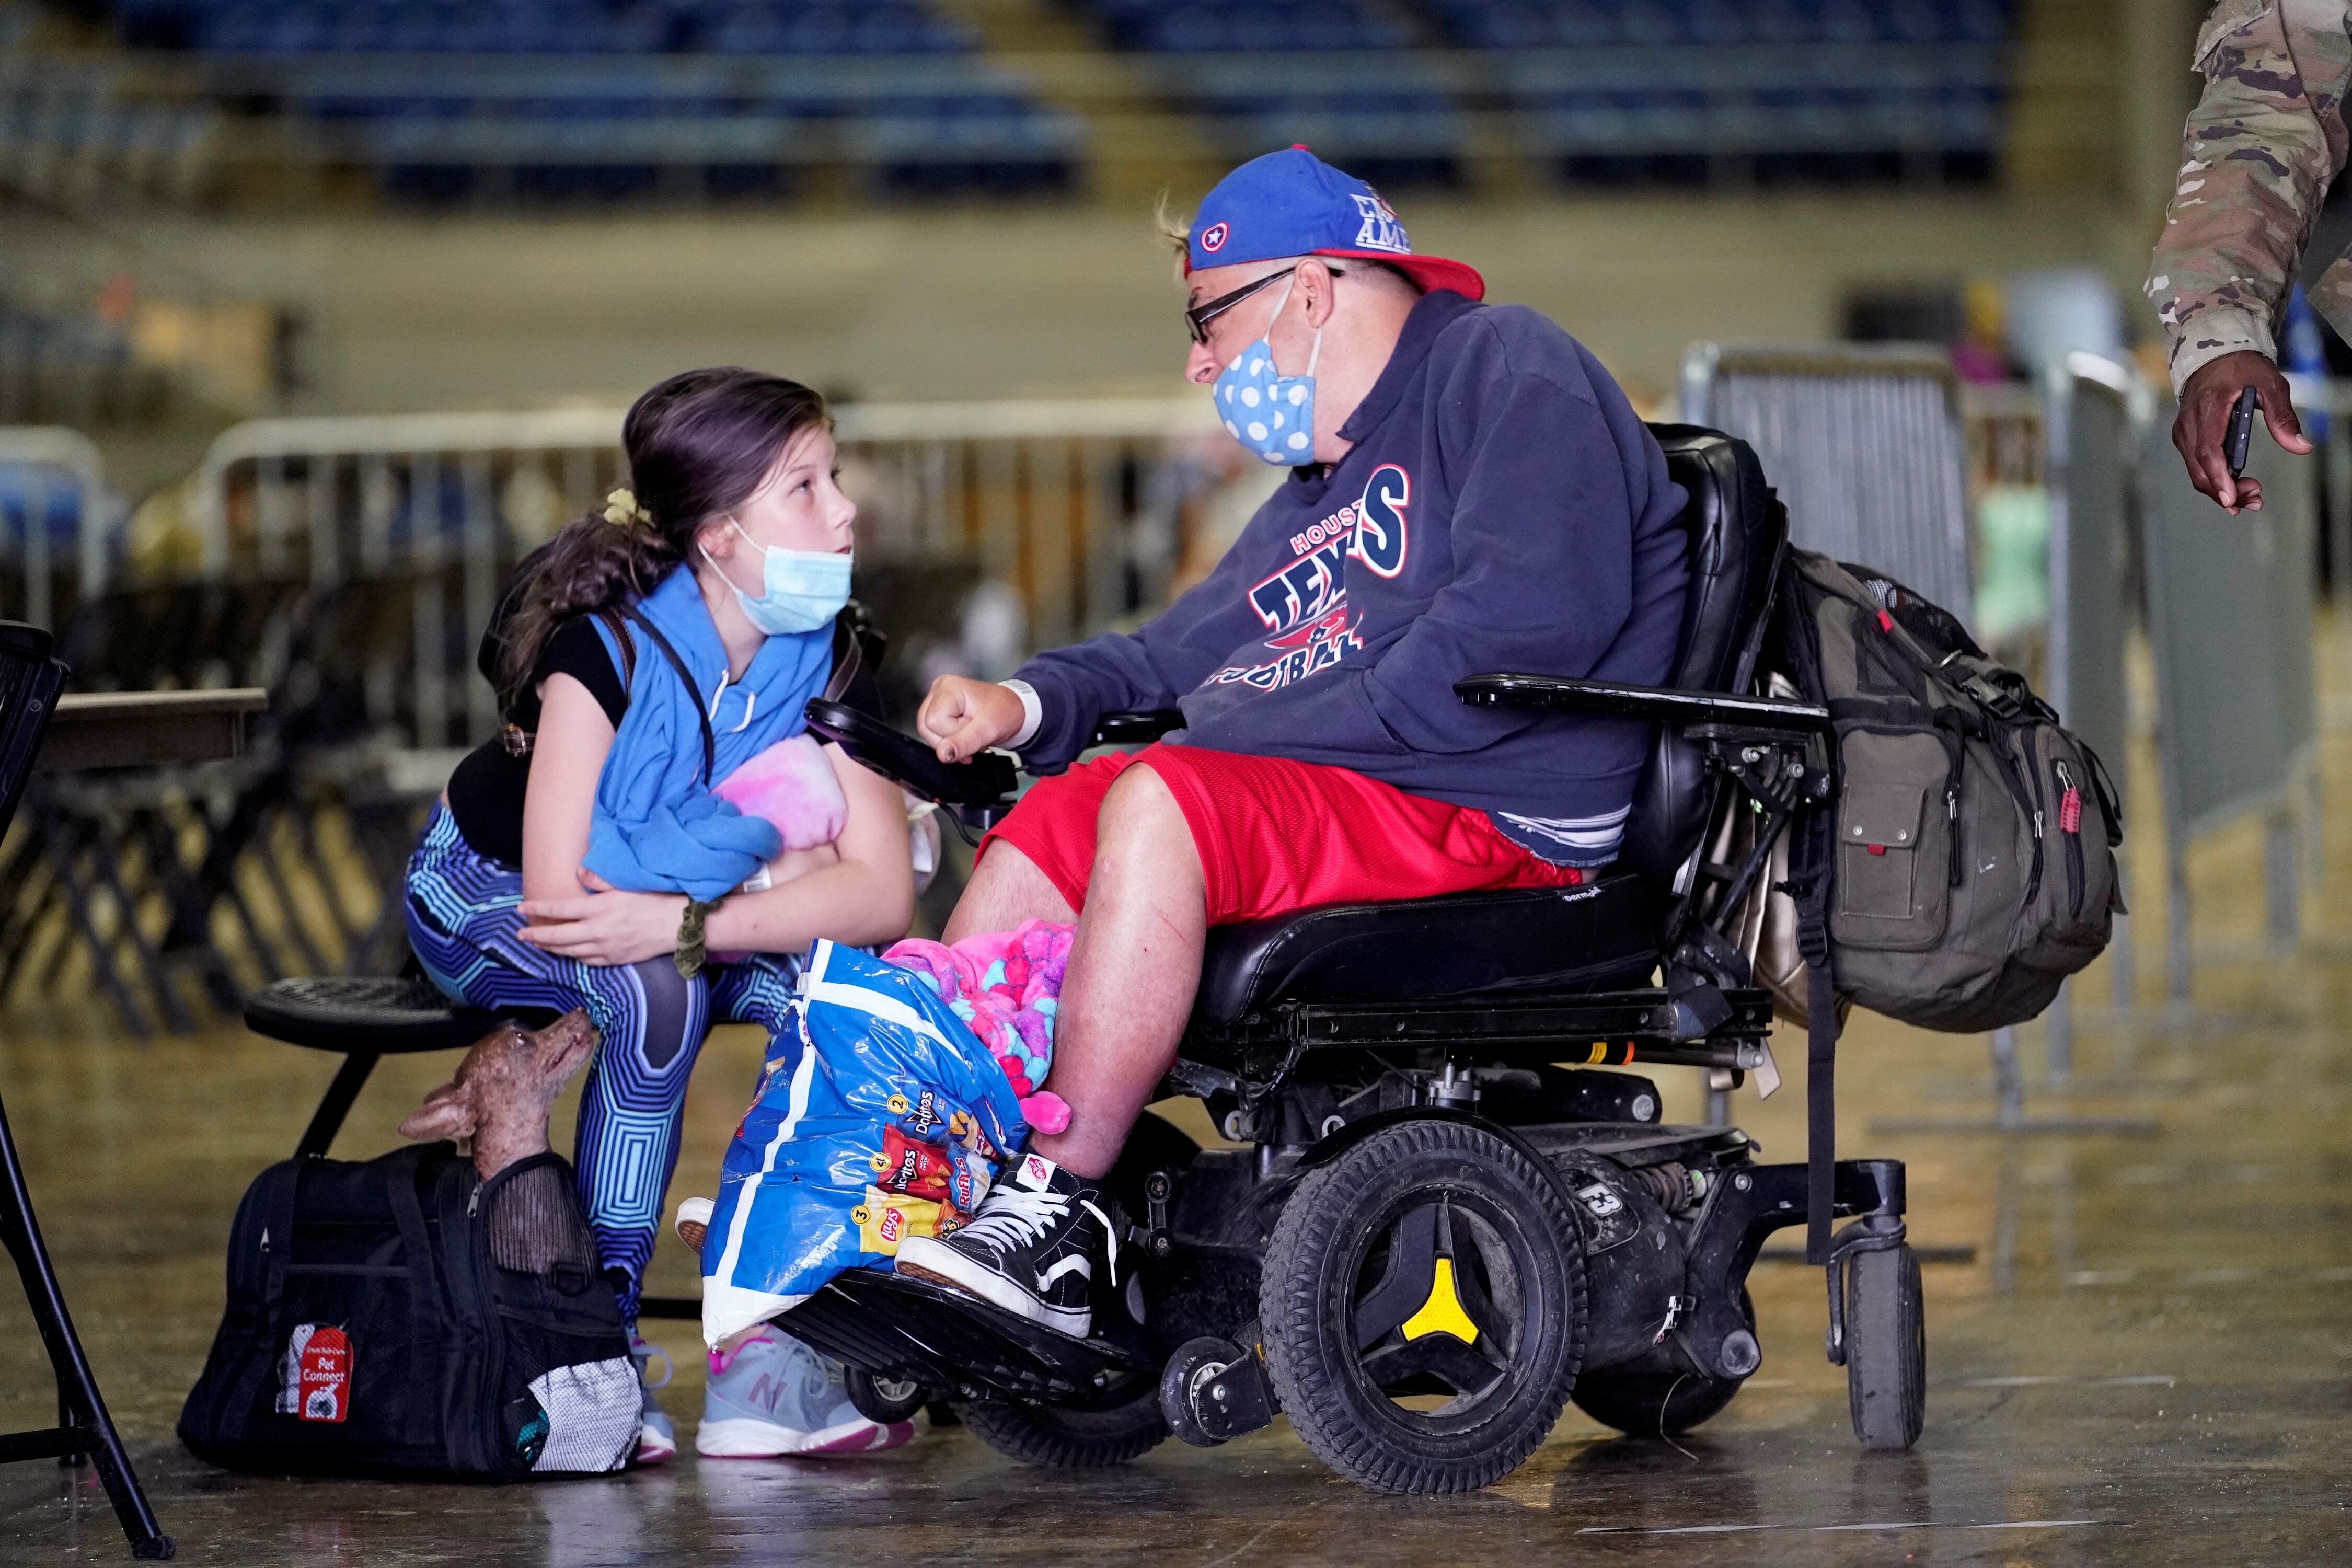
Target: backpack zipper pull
2070,804
1952,834
474,1202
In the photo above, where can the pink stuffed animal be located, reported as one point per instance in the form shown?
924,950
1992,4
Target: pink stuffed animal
1007,986
792,785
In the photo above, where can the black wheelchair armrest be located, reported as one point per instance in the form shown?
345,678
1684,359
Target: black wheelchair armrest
1660,704
1134,729
986,781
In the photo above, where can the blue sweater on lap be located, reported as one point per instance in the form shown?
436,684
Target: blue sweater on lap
1503,509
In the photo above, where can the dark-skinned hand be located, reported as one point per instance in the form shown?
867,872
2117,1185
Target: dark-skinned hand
2203,423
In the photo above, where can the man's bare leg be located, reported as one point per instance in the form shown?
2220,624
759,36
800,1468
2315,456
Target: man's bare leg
1135,964
1005,889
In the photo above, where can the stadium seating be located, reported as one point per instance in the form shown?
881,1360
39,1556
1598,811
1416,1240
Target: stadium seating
1586,24
614,99
579,97
1249,26
1599,90
69,133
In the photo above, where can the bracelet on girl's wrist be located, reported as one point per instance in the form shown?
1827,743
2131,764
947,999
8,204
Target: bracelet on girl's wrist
691,953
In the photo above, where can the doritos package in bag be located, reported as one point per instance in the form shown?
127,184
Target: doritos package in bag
885,1119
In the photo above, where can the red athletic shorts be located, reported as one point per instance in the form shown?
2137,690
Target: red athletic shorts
1276,836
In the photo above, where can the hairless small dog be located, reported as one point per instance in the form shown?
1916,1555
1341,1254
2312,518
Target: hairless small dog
503,1091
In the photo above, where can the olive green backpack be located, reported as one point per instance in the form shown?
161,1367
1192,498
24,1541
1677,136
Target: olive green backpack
1965,863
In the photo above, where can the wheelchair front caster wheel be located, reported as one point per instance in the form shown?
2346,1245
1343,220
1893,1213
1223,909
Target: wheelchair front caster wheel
1424,1310
1213,1391
884,1400
1885,1348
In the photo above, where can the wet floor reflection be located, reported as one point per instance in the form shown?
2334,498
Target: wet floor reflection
2137,1350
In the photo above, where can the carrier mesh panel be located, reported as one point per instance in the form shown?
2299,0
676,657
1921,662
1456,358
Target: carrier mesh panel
535,1225
591,1416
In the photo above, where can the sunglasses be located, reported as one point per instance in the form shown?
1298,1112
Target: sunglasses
1198,317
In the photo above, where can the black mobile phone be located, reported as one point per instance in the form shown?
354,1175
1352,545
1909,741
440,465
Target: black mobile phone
2240,437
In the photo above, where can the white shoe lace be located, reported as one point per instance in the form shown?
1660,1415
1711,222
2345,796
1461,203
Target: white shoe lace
1016,1217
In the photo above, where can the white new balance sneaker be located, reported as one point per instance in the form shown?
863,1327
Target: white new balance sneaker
772,1396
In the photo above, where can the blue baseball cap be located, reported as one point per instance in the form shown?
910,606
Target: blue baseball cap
1293,204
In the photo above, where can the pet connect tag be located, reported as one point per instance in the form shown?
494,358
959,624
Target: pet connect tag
323,1376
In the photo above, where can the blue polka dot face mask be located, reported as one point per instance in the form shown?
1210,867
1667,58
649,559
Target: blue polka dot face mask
1271,414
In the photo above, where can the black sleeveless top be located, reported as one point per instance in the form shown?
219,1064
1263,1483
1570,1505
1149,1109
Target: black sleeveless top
486,791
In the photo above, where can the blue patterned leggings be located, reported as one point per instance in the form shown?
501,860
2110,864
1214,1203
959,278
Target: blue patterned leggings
462,920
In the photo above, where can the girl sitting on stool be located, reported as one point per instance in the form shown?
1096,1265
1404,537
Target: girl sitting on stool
593,855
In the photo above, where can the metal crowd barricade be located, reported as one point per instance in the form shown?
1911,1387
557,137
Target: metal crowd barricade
38,464
1868,445
1079,505
2230,620
2093,411
1865,445
1047,495
350,564
1863,442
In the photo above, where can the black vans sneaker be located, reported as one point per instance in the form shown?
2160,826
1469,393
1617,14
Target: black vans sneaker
1030,1249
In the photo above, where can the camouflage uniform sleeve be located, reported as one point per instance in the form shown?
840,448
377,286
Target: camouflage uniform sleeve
2264,144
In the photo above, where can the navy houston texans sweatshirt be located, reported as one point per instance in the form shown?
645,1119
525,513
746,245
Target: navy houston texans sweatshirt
1502,509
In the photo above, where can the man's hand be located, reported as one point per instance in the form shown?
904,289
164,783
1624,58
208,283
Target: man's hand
962,717
2204,422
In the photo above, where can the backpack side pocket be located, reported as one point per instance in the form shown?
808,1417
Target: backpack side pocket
1895,842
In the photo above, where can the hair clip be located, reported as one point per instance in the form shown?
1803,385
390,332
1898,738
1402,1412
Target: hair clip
622,509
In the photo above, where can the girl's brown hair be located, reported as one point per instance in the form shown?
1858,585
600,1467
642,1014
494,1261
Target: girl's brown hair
698,445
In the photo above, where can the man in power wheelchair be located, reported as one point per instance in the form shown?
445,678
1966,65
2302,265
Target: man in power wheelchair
1382,889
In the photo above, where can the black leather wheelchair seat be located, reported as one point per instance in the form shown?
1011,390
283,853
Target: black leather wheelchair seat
1414,950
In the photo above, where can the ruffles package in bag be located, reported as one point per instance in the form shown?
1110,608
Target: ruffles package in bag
887,1122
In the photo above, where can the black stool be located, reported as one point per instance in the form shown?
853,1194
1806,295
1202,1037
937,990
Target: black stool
367,1017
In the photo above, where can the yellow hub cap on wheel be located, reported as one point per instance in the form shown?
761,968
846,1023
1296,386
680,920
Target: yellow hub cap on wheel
1442,1313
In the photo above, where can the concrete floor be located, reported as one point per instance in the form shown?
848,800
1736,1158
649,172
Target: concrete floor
2142,1359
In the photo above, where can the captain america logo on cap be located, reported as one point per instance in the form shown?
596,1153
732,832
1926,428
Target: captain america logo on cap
1213,239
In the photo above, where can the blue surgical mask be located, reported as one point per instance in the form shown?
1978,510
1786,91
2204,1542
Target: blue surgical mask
801,590
1271,414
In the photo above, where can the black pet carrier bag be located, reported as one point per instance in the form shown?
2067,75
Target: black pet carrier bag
401,1316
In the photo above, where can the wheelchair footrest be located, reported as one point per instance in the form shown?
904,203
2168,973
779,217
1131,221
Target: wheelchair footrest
893,1325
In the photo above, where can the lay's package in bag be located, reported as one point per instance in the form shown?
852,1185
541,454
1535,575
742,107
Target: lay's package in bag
886,1118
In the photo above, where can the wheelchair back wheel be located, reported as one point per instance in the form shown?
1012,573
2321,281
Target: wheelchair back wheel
1657,1404
1424,1308
1124,1424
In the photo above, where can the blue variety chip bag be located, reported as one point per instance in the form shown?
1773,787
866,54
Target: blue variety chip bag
884,1119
